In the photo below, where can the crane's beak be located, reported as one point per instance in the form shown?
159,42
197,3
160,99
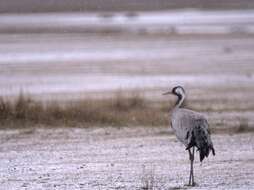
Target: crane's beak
166,93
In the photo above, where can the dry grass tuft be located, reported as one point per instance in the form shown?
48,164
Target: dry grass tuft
148,179
151,181
119,110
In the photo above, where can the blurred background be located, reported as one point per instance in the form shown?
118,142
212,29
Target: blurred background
60,50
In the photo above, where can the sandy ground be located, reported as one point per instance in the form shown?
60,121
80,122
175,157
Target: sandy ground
119,159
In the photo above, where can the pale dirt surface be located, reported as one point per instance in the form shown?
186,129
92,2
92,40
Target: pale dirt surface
110,158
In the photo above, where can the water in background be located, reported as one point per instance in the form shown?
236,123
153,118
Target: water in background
74,52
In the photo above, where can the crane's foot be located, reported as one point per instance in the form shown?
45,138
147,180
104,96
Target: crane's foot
194,184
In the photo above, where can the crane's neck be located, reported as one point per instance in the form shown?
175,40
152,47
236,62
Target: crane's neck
180,100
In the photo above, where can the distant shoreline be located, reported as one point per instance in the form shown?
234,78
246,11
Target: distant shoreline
37,6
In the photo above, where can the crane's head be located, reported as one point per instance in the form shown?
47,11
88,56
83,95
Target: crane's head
177,90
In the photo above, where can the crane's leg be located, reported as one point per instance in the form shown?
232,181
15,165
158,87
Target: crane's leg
190,156
192,169
191,178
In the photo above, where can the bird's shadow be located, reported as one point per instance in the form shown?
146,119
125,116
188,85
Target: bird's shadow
178,188
186,186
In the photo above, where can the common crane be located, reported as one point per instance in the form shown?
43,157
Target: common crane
191,128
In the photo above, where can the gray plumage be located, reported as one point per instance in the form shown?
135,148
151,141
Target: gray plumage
191,128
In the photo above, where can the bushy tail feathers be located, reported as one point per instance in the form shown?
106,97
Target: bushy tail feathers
200,138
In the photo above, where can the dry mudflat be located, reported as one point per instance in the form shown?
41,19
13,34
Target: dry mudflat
126,158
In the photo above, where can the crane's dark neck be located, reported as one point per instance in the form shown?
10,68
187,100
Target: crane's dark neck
180,100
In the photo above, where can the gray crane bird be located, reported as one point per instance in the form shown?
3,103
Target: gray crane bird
191,128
